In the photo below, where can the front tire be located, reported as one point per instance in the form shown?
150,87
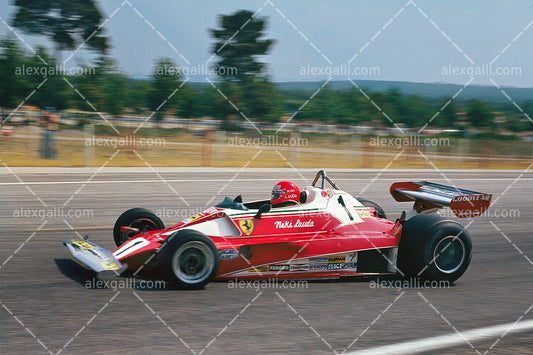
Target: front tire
434,248
138,218
189,259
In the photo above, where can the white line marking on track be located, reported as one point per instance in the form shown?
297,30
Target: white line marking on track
447,340
219,180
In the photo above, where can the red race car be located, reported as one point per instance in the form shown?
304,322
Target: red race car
319,232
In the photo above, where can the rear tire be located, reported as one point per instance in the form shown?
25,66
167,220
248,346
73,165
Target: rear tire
378,210
189,259
139,218
434,248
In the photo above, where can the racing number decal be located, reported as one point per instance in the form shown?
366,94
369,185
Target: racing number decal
83,244
247,226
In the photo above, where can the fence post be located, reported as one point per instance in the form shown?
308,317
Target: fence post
484,155
463,150
369,153
207,147
34,144
294,151
356,148
88,151
220,150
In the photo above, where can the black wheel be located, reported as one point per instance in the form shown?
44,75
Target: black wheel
367,203
138,218
189,259
434,248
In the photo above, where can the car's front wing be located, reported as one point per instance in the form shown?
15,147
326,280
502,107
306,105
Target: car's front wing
95,257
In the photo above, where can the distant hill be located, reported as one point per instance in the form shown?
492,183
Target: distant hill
429,90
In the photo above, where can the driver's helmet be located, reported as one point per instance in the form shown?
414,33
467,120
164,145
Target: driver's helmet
285,193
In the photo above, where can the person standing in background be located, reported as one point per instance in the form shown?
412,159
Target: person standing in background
51,125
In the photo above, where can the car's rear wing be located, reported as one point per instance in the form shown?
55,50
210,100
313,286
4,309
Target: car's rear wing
428,196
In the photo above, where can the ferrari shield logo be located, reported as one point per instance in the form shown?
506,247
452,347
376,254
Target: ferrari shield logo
247,226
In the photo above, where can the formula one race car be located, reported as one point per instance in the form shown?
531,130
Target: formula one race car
323,233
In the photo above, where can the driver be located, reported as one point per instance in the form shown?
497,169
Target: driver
285,193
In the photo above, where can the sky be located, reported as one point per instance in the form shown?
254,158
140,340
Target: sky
418,41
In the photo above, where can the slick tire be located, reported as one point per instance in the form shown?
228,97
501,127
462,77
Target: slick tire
189,259
139,218
434,248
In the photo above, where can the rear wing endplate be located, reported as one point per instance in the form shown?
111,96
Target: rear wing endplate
428,196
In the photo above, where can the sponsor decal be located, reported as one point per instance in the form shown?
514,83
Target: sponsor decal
82,244
110,265
280,267
324,263
485,197
335,266
299,267
317,267
334,262
324,193
297,224
320,260
438,190
247,226
228,254
193,218
336,259
260,269
363,213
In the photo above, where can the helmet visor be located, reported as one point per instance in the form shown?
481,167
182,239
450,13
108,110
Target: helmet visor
277,192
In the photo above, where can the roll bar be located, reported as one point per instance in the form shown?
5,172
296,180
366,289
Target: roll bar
322,174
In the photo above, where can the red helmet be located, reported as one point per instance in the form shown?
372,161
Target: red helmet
285,191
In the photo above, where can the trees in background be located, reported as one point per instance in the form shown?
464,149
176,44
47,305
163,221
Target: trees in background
164,86
68,23
18,87
108,90
480,114
238,45
448,114
13,87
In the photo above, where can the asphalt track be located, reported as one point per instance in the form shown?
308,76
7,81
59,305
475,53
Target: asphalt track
48,305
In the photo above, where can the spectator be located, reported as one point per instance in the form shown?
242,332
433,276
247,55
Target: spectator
51,125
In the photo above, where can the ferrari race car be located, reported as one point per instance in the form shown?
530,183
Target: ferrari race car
326,234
